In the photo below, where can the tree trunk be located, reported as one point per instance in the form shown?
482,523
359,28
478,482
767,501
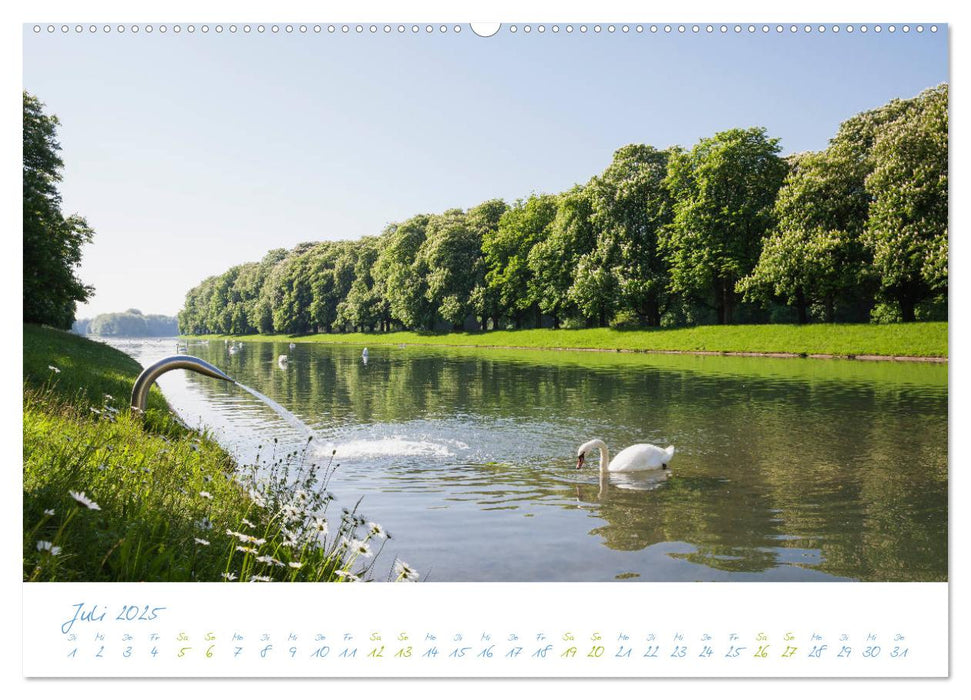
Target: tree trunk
802,307
907,310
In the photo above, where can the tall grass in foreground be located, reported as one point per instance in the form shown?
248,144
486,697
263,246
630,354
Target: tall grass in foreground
107,497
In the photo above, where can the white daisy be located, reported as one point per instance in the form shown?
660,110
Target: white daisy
296,564
360,548
45,546
205,543
206,494
404,572
229,577
49,511
265,579
84,500
53,369
376,530
347,575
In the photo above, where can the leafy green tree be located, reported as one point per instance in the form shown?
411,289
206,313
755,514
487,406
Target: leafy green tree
364,307
259,310
554,261
631,207
506,253
52,242
814,255
450,259
396,273
723,190
907,228
484,301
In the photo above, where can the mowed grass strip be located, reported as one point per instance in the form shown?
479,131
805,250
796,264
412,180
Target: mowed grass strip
914,340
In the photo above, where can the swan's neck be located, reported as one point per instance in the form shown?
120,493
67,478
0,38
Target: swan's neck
604,455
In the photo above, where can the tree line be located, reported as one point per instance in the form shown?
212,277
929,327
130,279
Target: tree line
130,324
727,231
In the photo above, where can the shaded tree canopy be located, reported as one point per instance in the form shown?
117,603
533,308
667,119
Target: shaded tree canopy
52,242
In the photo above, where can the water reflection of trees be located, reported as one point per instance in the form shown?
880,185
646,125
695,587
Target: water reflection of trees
852,468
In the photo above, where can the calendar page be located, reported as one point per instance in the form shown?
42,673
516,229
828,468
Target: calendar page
407,346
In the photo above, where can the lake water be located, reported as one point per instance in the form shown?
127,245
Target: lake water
786,469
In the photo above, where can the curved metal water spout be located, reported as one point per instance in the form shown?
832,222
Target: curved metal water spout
139,393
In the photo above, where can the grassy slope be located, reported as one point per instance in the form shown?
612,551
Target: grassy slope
894,340
160,487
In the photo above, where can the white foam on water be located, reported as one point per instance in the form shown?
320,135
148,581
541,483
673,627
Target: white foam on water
393,446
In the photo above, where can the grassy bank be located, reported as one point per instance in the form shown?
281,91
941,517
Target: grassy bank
108,496
912,340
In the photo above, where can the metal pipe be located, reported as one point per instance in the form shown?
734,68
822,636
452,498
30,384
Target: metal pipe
139,393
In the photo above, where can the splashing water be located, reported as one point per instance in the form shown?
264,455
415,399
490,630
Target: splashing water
393,446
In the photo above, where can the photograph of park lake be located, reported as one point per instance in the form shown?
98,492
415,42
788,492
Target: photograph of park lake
786,470
427,321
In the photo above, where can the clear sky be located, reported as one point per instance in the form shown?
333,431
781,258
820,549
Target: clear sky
191,153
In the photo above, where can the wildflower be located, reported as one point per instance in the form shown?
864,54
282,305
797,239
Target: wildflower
205,543
296,564
246,550
265,579
360,548
206,494
267,559
53,369
109,397
204,524
247,523
347,575
94,410
257,499
45,546
84,500
300,495
49,511
376,530
229,576
404,572
290,512
319,526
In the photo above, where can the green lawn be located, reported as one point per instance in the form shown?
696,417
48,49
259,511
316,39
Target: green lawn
110,496
891,340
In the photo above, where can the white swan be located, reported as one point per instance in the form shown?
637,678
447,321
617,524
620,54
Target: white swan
282,360
293,345
631,459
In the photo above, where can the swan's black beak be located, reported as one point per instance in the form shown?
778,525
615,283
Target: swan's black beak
580,460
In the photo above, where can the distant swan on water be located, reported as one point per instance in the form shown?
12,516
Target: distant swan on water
364,356
293,345
282,361
631,459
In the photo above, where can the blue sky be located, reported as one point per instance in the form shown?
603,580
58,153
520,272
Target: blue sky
192,153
